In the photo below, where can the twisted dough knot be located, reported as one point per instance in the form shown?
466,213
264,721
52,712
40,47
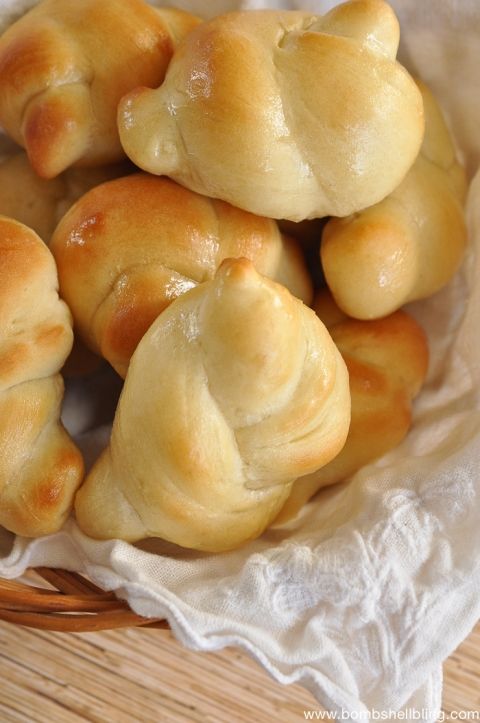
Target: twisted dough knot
285,114
410,244
387,361
40,467
234,392
64,67
131,246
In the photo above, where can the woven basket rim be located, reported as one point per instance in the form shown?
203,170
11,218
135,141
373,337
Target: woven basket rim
64,601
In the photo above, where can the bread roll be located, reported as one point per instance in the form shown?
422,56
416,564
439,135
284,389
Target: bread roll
130,246
233,392
387,362
285,114
410,244
40,467
40,203
65,65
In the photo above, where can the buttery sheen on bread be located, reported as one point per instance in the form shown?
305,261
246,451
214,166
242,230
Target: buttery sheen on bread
285,114
387,361
40,467
130,246
235,391
410,244
65,65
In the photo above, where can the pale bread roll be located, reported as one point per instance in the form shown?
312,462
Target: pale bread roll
285,114
408,246
234,392
387,361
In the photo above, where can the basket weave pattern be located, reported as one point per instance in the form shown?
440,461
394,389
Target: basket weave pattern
70,603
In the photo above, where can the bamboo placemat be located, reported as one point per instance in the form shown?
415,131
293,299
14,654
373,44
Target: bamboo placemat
136,675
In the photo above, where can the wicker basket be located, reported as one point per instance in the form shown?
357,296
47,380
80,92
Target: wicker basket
66,602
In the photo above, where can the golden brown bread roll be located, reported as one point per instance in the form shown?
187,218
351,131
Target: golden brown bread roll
410,244
65,65
233,392
387,362
285,114
130,246
40,203
40,467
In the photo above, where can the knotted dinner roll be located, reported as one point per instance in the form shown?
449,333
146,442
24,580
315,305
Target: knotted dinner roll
285,114
130,246
387,362
408,246
235,391
40,203
65,65
40,467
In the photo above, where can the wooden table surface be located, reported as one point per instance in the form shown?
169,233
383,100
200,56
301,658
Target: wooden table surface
135,675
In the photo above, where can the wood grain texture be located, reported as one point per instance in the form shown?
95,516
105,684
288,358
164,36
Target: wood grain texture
134,675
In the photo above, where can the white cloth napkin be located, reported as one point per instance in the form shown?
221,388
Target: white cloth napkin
363,596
